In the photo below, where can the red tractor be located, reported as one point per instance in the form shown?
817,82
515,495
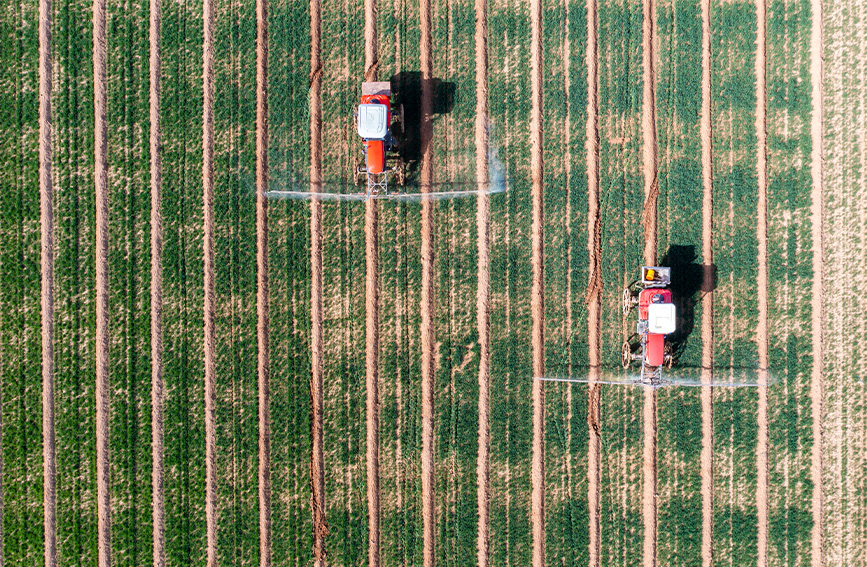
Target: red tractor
380,148
657,318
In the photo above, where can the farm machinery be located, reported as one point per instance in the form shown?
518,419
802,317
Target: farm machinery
657,317
389,144
380,146
652,349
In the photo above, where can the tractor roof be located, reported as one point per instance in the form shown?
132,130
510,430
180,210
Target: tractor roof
372,121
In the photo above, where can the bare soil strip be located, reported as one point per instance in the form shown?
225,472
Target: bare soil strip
102,377
816,305
648,220
208,256
762,284
707,293
371,296
483,289
427,292
317,462
159,556
648,129
262,312
372,377
594,285
537,304
46,219
371,46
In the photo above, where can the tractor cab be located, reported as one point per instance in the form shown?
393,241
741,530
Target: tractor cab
374,127
373,120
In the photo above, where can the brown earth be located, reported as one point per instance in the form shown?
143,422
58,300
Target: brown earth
371,248
262,312
483,289
427,293
371,46
537,301
762,291
817,292
159,556
317,464
648,221
209,300
648,130
102,375
706,459
46,197
594,288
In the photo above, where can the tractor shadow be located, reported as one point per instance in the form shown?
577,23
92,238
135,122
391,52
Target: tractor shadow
690,280
406,90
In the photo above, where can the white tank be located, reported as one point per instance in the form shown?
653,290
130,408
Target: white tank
661,318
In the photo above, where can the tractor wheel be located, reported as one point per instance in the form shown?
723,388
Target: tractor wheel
627,301
626,355
401,172
668,360
358,173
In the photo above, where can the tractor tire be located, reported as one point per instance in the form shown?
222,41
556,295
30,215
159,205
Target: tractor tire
626,355
358,173
627,301
669,358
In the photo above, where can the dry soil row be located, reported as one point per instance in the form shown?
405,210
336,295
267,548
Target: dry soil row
208,281
102,363
537,304
317,463
371,247
594,286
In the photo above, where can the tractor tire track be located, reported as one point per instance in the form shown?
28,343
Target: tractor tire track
594,287
483,290
209,298
817,196
317,458
762,284
648,130
46,221
372,376
537,304
427,292
371,297
649,222
102,345
159,557
262,311
706,457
